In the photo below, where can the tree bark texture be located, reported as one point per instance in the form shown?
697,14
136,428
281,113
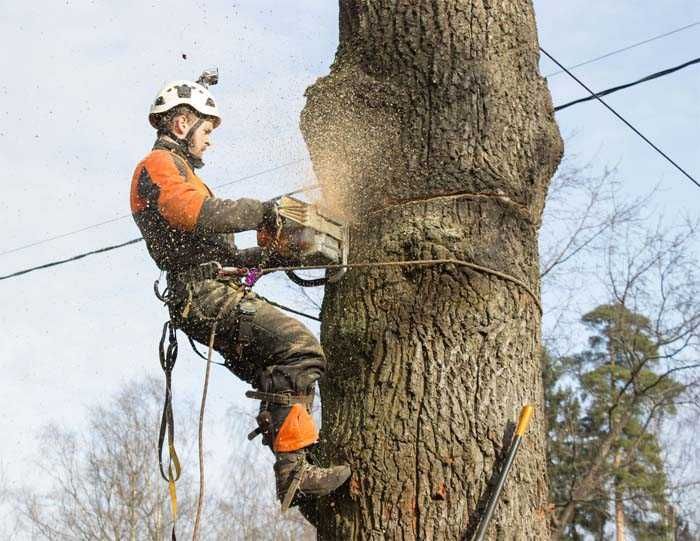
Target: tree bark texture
434,133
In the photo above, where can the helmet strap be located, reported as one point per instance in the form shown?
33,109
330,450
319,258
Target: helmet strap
190,133
196,162
184,144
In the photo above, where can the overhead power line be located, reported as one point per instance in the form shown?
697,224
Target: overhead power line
123,216
628,85
74,258
118,218
592,96
62,235
618,115
123,244
627,48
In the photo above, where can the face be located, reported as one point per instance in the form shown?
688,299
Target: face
201,139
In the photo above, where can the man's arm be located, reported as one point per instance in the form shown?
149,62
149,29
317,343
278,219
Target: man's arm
231,216
189,207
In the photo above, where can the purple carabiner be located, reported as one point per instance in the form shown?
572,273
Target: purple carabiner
252,276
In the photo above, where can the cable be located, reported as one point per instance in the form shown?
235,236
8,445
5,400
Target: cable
315,186
74,258
123,216
139,239
62,235
611,53
200,429
287,308
627,85
635,130
575,66
259,173
411,263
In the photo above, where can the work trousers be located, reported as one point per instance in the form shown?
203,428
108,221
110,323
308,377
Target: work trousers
281,355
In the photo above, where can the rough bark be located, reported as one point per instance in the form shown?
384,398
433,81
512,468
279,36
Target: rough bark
434,132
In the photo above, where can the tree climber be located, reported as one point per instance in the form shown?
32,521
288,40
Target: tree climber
187,229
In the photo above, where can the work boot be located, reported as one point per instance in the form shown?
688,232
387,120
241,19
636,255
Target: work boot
294,474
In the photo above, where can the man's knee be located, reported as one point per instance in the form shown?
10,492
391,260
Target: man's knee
297,375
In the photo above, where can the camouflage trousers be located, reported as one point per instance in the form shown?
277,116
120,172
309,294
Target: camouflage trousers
280,354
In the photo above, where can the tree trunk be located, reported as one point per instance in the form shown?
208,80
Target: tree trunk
434,133
619,503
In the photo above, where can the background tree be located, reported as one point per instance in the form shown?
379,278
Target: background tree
634,478
435,134
104,482
6,511
608,403
586,204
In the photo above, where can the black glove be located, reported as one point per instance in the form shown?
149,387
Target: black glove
269,227
270,215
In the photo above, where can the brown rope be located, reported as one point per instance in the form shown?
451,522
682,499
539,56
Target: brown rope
200,431
502,197
458,262
200,436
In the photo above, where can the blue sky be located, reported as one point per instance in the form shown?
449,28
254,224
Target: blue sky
78,79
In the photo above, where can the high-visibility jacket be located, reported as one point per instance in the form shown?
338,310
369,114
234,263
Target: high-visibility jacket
182,222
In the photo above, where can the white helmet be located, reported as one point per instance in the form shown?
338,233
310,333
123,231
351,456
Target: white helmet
189,93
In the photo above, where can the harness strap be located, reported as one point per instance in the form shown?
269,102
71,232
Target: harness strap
282,399
245,315
200,354
167,425
198,273
294,485
264,419
245,329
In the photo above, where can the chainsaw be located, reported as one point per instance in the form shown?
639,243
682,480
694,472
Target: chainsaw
310,233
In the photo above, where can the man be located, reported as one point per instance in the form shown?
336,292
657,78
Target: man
186,228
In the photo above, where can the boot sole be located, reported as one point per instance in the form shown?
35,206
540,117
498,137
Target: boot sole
338,480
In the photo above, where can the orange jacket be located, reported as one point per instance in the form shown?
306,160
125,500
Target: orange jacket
182,222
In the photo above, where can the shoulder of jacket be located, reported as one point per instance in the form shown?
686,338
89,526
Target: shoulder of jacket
162,156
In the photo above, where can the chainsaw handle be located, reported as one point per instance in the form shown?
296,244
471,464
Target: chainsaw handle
314,282
298,280
303,282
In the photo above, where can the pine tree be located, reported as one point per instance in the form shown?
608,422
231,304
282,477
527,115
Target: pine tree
613,394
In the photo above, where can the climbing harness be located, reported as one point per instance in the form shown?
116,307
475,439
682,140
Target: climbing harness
168,357
246,312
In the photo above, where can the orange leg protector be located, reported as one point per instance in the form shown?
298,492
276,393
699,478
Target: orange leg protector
296,432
